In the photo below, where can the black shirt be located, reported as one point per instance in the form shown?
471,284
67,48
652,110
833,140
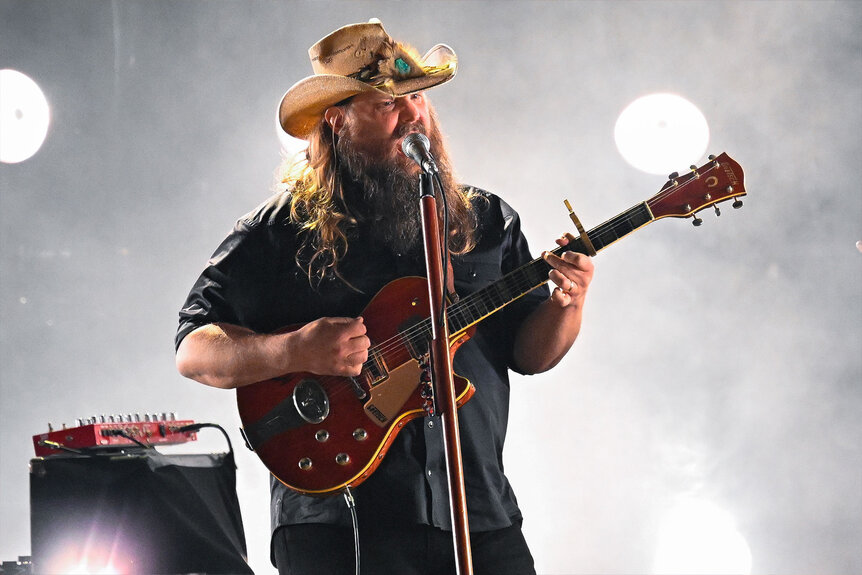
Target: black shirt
252,280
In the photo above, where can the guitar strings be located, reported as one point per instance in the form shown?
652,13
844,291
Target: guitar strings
419,335
517,281
474,303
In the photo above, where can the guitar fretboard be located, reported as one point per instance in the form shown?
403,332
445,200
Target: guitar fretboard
488,300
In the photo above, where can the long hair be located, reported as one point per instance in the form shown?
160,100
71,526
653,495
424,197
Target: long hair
320,205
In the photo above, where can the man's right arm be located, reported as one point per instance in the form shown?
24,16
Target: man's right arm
229,356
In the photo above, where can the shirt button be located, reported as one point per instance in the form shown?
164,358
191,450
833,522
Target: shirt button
430,424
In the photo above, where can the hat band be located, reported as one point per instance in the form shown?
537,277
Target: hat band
372,75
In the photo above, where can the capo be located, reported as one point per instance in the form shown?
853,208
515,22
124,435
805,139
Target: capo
591,251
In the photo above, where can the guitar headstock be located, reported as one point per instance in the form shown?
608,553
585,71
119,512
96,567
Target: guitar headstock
682,196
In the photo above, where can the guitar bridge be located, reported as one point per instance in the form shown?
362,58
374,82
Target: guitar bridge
375,368
373,372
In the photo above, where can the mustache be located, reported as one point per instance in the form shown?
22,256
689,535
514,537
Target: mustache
406,129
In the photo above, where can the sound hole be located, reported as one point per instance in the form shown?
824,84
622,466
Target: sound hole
311,401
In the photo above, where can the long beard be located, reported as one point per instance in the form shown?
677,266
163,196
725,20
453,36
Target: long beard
385,190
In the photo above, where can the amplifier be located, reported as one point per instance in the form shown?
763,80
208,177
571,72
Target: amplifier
136,512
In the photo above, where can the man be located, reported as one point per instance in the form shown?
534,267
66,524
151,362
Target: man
316,254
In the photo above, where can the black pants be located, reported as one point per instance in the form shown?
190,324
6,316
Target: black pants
317,549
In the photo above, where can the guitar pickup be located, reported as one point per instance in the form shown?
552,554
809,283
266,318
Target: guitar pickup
418,346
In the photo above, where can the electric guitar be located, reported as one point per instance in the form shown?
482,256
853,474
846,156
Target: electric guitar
319,434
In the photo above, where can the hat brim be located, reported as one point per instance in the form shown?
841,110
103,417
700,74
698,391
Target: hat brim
303,105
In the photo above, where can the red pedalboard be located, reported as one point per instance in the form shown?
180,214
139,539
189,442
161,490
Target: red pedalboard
113,435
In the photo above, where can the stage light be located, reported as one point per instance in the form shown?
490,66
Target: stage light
24,117
99,552
661,133
698,537
98,556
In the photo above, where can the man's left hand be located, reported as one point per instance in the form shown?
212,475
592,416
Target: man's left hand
572,275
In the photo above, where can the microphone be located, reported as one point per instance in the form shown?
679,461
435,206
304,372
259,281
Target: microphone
417,147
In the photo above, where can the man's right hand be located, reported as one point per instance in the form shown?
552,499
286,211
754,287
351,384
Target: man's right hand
330,346
230,356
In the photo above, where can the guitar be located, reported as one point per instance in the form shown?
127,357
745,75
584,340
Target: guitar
319,434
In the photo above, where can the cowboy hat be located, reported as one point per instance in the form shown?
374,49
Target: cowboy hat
360,58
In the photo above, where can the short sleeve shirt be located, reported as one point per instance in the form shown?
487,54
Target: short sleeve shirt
253,280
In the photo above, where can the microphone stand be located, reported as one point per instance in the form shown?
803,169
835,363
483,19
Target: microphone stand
441,370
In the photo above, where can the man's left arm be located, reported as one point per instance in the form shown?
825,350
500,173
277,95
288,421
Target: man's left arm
550,330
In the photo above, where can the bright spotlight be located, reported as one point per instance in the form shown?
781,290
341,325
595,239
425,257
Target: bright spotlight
96,557
660,133
698,537
24,117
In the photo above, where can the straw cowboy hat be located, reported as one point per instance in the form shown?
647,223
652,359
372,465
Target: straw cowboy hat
360,58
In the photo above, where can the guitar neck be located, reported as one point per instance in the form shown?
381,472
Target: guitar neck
488,300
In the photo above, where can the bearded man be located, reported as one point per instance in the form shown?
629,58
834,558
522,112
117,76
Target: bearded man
317,253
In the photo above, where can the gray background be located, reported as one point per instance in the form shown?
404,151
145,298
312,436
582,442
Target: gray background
720,363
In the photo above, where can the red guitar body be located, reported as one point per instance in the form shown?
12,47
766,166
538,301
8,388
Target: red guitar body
359,417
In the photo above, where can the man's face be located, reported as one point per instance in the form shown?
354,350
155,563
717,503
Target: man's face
378,123
370,131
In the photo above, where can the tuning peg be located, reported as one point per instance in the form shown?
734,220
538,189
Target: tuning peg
694,171
696,221
717,211
737,203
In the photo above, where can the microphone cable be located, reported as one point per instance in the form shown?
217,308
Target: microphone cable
444,247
